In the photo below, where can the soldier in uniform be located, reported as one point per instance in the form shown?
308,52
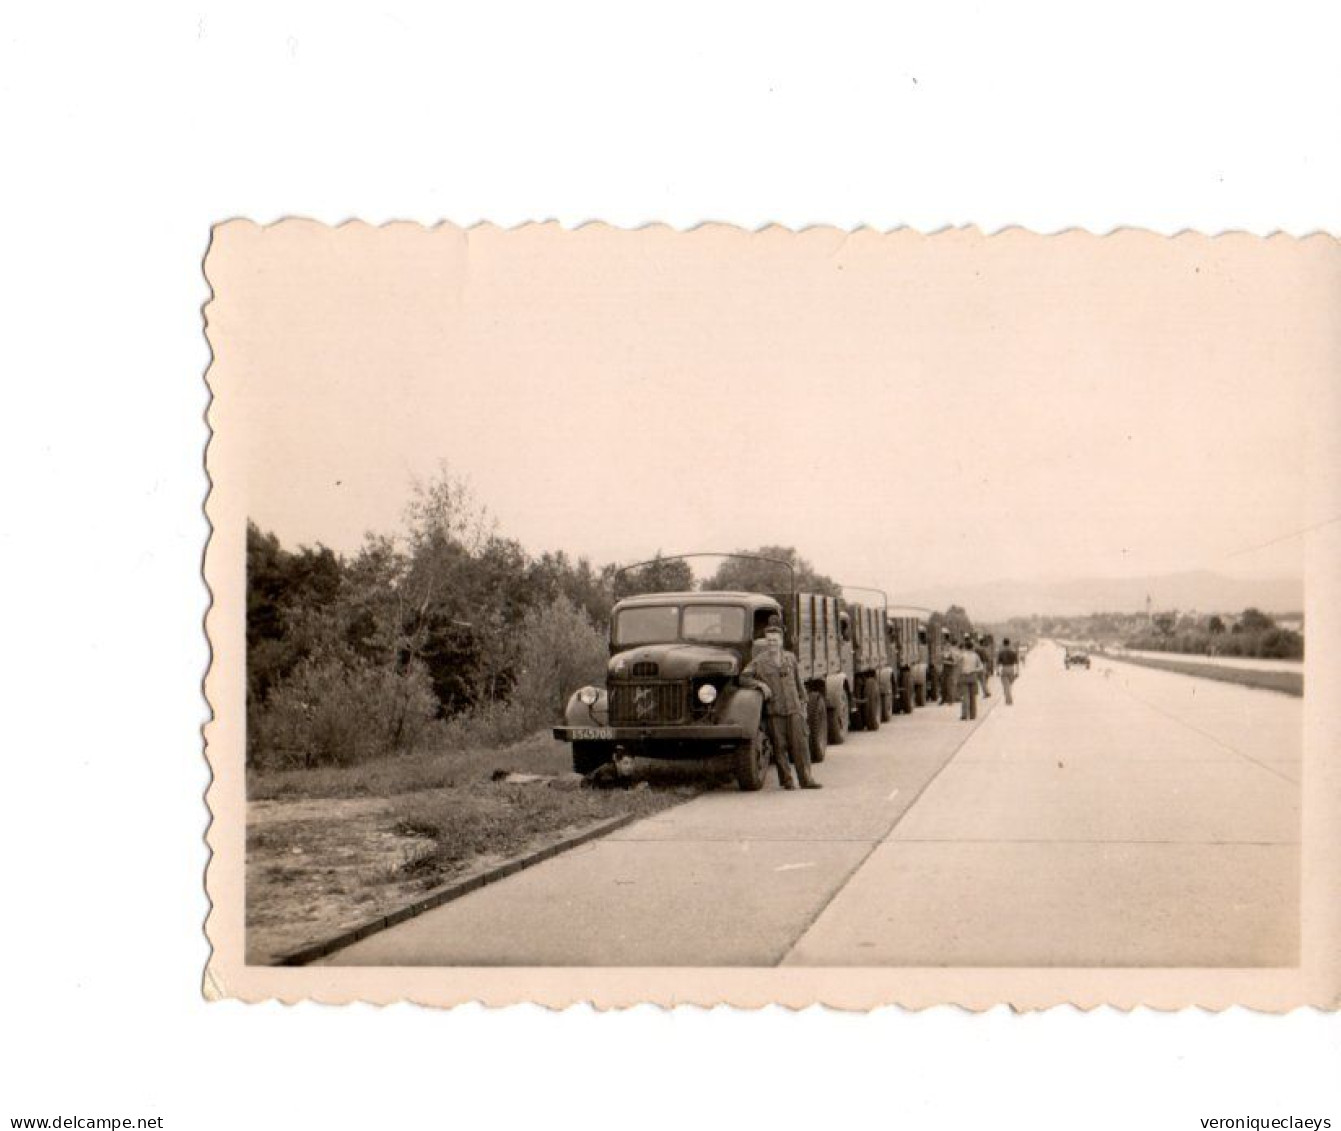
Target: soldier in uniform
932,657
970,672
1008,664
984,650
774,671
949,670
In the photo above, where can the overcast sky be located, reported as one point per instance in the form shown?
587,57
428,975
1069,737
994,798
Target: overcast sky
905,410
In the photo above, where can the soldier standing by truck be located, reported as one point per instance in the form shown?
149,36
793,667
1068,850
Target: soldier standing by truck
931,642
775,672
949,669
971,670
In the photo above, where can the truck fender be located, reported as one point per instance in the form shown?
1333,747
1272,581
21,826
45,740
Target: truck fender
741,706
886,678
834,686
579,714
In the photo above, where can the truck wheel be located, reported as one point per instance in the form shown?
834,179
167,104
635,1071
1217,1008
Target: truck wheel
588,757
887,704
920,693
817,718
838,721
752,759
870,708
906,685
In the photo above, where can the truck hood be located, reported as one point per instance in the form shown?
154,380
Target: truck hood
673,661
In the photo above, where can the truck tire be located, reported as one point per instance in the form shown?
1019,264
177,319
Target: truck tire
752,760
838,721
817,718
906,685
870,708
588,757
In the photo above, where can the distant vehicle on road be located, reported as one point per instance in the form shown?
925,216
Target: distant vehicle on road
1077,658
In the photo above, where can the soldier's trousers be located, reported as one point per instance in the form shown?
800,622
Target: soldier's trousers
969,703
949,684
791,746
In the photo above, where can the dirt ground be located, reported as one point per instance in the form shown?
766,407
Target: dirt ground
326,853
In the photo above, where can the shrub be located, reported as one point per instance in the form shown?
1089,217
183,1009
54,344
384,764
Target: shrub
339,711
489,725
559,651
1282,644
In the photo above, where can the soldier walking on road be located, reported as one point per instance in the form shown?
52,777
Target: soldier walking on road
1008,665
774,671
970,668
984,651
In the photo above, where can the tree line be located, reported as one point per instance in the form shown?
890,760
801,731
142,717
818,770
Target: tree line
1253,634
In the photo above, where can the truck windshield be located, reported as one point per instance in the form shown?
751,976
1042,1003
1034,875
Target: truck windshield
660,624
653,624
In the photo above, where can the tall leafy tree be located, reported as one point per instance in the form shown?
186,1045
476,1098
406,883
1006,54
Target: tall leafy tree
660,575
753,576
958,622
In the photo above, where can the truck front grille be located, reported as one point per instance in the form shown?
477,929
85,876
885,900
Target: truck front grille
637,701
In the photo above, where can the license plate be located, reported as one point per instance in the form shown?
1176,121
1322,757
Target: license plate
592,734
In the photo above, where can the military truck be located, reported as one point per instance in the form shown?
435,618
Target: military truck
820,632
908,638
673,680
868,663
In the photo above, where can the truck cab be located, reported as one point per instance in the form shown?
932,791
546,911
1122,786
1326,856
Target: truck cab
673,689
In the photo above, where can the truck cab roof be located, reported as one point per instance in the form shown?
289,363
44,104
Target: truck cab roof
710,597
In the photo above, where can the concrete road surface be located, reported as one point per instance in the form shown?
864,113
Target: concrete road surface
1117,816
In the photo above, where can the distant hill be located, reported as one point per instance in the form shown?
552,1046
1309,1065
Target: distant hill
1201,590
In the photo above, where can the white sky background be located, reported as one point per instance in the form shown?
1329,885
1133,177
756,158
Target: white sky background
905,412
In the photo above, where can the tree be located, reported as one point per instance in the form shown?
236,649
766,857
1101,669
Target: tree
1254,620
1215,625
660,575
957,621
1164,623
552,575
752,576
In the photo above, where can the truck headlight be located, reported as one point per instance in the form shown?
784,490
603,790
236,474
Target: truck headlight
589,695
707,693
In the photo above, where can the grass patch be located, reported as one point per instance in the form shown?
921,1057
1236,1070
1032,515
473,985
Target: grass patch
334,847
488,821
1289,683
410,773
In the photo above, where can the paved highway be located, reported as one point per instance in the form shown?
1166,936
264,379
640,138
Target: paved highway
1116,816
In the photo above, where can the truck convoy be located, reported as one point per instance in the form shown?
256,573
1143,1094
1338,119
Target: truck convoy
673,685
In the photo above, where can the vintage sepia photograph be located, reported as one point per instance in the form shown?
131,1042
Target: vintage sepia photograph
770,616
